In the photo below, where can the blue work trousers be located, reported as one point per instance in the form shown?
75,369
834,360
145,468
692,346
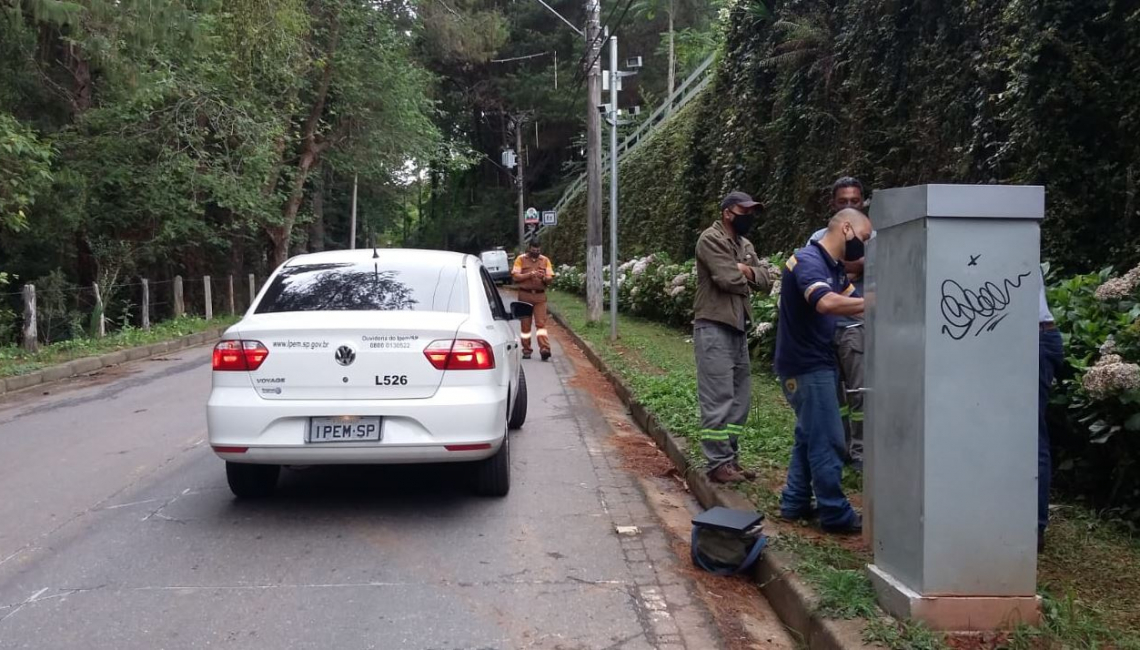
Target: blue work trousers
1051,358
817,455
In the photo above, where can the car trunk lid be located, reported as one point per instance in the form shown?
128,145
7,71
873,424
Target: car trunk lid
348,355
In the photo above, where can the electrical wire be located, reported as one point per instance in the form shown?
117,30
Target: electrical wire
581,77
601,36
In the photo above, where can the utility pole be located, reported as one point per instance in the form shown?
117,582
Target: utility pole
352,228
613,185
594,167
520,179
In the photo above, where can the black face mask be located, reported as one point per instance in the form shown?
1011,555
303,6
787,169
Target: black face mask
855,250
742,223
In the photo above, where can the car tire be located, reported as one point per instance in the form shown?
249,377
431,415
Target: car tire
493,476
250,481
518,410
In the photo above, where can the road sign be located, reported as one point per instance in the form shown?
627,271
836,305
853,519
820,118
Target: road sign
550,218
531,216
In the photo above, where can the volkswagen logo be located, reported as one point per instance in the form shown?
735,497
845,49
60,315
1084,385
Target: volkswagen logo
345,355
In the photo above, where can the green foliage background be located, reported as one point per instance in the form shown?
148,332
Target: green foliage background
900,92
904,92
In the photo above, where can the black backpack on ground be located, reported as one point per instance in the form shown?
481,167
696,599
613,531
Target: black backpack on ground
726,541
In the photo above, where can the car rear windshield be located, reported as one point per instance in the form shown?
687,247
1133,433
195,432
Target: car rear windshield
365,287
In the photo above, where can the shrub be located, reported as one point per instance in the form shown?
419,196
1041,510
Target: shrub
658,289
1099,318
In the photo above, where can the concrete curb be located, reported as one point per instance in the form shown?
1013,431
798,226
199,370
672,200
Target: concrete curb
88,365
793,601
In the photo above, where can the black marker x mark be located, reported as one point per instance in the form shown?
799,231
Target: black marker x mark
974,260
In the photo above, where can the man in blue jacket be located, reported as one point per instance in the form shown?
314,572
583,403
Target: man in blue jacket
814,292
847,192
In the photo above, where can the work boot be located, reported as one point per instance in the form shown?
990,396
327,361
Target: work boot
746,473
853,528
545,355
799,515
726,474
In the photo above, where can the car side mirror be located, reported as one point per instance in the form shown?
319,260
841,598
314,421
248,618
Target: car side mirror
521,310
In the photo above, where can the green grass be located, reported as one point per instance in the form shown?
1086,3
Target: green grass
1089,576
836,573
15,361
902,635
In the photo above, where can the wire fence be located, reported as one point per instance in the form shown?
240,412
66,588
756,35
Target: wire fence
56,310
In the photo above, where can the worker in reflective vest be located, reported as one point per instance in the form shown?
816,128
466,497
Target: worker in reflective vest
532,273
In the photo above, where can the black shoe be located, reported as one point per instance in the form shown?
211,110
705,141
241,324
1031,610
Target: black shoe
853,528
546,355
799,515
526,355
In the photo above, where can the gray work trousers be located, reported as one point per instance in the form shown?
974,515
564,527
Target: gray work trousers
724,389
849,348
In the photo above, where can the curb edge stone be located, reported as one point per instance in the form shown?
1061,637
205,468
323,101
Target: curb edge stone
76,367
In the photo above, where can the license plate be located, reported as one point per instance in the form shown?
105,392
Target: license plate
344,429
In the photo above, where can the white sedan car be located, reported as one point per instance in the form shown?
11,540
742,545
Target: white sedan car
369,357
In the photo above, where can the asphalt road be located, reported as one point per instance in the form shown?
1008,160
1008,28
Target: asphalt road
117,530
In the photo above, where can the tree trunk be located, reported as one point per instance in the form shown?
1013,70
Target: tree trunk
279,240
317,228
237,255
80,69
311,151
672,55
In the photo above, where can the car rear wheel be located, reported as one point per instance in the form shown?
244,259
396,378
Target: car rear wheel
249,481
518,411
493,476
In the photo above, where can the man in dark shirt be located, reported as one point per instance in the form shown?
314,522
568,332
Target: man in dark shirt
847,192
814,292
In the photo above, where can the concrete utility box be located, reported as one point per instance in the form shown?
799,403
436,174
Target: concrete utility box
951,407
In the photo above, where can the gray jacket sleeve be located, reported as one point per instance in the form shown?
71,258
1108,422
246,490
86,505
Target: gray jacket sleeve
717,256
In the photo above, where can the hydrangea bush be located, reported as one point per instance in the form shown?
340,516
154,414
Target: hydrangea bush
656,288
1099,318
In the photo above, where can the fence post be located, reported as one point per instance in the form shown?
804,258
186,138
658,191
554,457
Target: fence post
31,340
99,323
209,298
233,308
145,305
252,288
179,306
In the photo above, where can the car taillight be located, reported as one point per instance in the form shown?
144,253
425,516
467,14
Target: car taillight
460,354
239,355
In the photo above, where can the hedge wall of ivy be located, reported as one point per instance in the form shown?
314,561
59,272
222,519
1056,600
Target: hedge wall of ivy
900,92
